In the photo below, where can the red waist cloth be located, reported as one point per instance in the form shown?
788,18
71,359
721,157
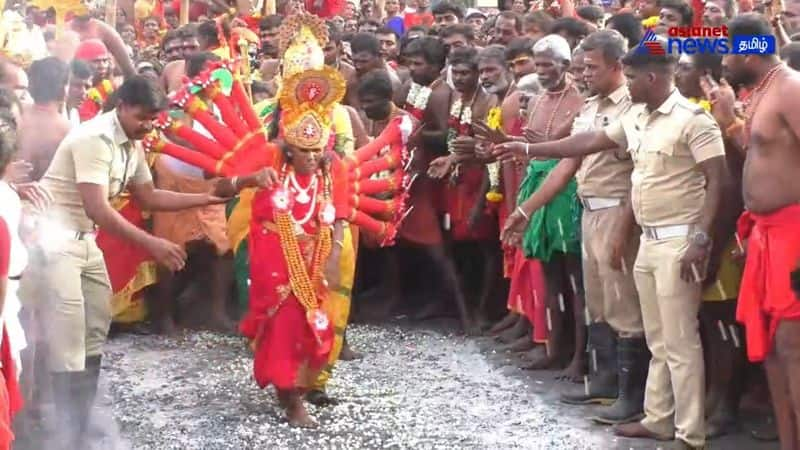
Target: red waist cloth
459,202
766,296
527,294
123,257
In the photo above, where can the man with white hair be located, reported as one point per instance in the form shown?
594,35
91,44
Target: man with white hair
552,236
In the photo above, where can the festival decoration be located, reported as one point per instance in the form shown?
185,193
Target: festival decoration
238,145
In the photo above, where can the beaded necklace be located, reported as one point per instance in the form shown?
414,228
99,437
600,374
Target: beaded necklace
304,283
757,95
549,125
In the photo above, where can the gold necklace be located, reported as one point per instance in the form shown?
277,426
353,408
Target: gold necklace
761,90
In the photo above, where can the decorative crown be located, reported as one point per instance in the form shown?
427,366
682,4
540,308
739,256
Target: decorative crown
307,101
302,38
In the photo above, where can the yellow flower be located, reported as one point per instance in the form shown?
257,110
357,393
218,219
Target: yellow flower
495,118
650,22
705,104
494,197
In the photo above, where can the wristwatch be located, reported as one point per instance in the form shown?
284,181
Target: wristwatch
700,238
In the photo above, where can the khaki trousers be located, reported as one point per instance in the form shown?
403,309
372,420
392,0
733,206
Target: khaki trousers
611,295
675,392
78,313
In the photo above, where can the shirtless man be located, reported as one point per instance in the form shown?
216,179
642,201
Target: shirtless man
479,78
37,143
428,99
513,110
89,28
367,57
172,75
770,135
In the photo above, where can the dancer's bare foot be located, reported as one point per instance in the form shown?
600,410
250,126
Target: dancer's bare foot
296,413
348,354
320,398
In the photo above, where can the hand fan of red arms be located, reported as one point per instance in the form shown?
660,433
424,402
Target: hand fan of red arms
238,144
388,152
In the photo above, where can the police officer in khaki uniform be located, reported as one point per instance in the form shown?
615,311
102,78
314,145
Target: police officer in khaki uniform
610,237
95,163
679,165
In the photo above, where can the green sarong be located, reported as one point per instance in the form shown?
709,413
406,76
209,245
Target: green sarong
554,228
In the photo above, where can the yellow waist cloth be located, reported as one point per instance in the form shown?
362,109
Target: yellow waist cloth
729,276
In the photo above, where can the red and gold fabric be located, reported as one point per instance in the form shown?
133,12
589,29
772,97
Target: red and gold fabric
130,268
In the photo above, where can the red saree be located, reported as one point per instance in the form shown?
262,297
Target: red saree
288,354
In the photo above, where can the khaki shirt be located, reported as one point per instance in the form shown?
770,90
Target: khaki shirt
96,152
604,174
668,187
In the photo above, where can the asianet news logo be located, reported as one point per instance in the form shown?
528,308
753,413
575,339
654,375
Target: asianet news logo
692,40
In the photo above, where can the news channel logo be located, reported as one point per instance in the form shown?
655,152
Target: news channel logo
653,44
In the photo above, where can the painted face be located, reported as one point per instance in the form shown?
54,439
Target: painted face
305,161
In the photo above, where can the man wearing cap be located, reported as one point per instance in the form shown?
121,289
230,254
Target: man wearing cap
679,166
475,18
95,53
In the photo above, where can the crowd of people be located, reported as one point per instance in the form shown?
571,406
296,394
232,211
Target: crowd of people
624,216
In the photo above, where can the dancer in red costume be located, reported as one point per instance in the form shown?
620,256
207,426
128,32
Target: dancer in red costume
303,196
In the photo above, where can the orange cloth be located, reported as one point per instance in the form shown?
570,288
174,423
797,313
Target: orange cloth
180,227
766,296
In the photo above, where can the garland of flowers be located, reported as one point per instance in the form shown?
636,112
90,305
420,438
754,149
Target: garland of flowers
458,124
99,96
302,282
494,120
417,99
703,103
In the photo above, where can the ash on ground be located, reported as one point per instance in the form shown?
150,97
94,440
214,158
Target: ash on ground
415,388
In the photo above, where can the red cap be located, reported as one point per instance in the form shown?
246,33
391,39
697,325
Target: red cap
91,49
